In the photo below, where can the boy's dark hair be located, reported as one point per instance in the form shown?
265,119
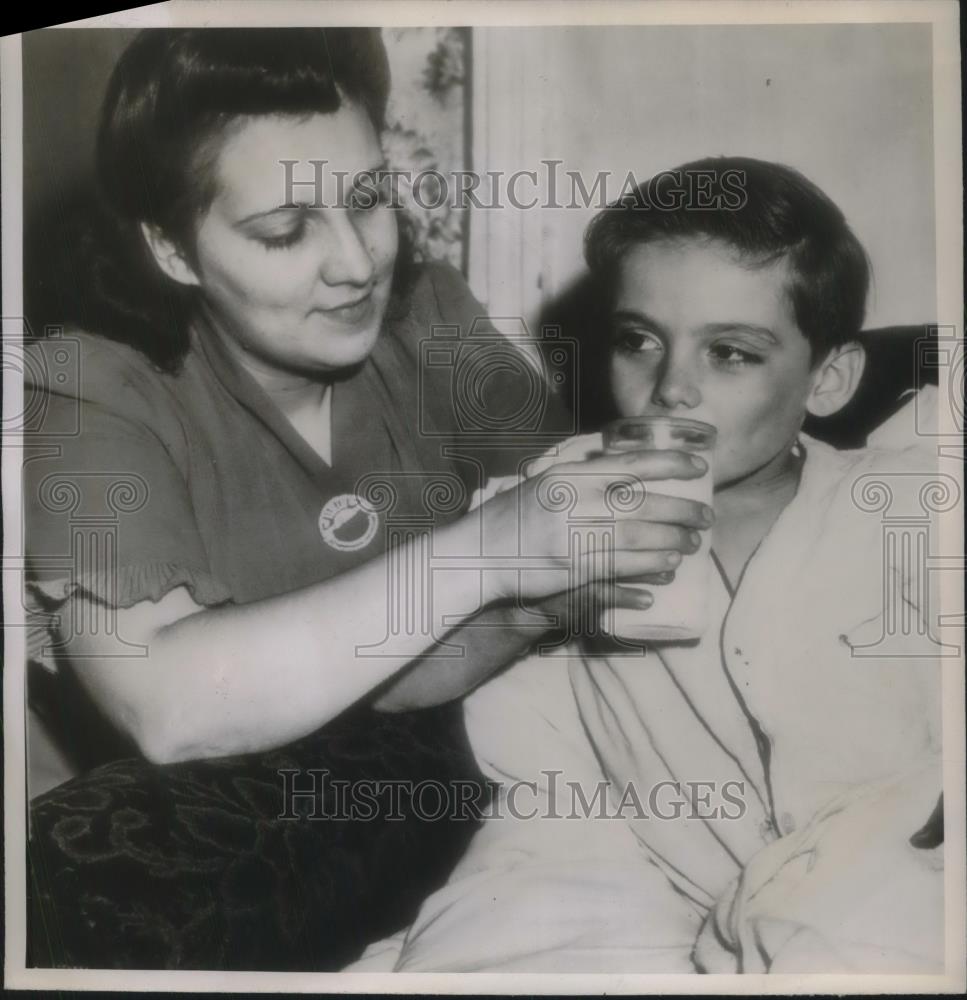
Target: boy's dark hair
765,212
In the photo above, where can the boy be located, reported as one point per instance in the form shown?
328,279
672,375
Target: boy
642,797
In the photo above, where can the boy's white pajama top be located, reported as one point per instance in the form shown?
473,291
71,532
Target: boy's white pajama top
819,682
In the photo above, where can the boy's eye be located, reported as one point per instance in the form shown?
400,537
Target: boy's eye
632,341
729,354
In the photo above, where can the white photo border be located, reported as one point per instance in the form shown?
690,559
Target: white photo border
949,257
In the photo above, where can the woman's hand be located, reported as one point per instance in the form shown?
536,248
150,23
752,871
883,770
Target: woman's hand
551,529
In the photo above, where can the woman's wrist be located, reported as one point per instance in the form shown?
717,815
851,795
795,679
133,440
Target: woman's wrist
478,547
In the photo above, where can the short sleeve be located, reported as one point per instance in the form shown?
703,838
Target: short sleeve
107,508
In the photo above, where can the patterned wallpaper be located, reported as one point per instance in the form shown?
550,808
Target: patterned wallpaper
426,123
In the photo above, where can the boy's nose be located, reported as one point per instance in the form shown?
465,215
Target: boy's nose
674,388
346,261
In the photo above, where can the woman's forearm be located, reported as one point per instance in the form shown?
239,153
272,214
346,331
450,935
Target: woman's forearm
242,678
497,636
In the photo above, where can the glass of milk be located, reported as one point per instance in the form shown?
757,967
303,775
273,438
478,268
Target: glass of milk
680,608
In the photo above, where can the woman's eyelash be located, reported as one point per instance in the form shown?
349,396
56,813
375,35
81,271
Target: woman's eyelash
280,242
284,240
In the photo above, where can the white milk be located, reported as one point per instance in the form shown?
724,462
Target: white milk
680,609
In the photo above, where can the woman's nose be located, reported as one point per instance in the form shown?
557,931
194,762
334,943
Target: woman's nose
346,261
676,387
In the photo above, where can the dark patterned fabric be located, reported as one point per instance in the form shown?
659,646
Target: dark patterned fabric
190,867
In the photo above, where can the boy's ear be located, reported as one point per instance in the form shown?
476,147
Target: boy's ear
836,379
168,255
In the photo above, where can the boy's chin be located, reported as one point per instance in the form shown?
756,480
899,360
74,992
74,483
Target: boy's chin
764,474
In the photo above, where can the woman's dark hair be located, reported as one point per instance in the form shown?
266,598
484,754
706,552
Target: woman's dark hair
765,212
169,99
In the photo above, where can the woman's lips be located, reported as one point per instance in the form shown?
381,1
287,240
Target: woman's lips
351,313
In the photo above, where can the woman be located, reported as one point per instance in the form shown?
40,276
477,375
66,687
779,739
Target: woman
233,402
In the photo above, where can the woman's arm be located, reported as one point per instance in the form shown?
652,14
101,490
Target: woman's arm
498,636
242,678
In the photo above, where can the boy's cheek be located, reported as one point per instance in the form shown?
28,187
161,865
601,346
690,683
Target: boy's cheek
630,389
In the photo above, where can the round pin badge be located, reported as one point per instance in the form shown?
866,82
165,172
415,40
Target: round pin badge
347,522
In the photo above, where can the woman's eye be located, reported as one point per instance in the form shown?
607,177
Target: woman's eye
732,356
283,240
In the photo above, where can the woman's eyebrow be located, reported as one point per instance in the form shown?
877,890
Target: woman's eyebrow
369,173
269,211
